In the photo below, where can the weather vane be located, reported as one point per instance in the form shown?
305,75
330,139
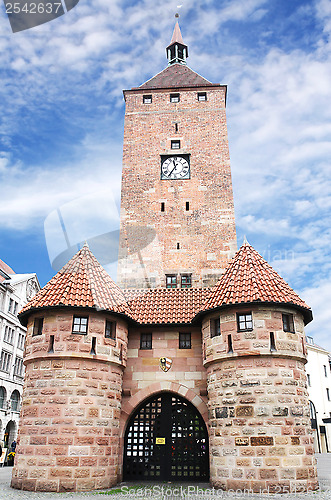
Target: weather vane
177,14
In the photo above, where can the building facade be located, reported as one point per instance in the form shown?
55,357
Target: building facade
196,370
319,389
15,291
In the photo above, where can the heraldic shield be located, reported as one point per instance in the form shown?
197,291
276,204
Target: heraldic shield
165,364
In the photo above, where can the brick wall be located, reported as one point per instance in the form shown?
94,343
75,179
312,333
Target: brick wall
69,426
205,233
260,433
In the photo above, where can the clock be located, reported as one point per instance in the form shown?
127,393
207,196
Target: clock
175,167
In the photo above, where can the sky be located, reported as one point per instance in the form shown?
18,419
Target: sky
61,126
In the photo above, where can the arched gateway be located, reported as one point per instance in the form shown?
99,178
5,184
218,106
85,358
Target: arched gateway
166,439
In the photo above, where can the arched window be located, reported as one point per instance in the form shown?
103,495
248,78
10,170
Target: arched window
15,401
2,397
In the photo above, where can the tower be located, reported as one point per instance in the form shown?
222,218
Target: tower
75,355
177,213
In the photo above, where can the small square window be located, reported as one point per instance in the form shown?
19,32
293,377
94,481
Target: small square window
244,321
175,144
79,325
202,96
38,326
145,341
184,340
215,327
174,98
288,325
110,329
186,281
147,99
171,281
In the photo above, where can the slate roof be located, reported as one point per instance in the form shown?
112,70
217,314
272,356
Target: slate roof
176,76
249,278
82,282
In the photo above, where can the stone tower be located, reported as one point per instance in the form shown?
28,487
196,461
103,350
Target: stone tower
255,355
74,356
177,213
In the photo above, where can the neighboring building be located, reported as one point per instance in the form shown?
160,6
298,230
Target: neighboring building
319,389
175,382
15,291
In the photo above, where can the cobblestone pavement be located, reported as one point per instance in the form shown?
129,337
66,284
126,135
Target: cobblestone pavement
169,491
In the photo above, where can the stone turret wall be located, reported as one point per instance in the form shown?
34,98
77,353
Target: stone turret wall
69,427
260,435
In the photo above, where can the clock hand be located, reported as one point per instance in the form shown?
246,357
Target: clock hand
173,168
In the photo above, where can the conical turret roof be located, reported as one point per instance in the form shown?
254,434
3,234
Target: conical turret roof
249,279
82,282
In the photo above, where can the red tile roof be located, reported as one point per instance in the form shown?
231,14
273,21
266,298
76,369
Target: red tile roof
248,279
175,76
165,306
82,282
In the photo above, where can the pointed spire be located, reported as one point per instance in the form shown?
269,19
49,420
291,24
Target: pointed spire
177,51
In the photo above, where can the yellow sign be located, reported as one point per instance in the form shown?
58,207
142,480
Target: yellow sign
159,440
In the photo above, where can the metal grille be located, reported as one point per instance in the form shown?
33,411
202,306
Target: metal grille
182,452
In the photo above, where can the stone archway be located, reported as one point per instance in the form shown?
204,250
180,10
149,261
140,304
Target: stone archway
166,439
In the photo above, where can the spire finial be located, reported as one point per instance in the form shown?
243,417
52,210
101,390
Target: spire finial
177,15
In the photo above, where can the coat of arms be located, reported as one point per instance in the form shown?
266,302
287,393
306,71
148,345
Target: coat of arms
165,364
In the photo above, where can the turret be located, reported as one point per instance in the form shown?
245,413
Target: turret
177,51
75,355
254,352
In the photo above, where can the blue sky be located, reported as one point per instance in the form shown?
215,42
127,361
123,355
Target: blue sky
61,125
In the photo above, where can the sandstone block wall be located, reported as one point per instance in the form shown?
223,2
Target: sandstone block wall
260,433
69,426
155,243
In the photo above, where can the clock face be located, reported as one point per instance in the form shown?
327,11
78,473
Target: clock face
175,167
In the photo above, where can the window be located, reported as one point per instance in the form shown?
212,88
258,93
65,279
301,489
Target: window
174,98
2,397
176,127
328,394
178,246
310,340
202,96
79,325
184,340
171,281
272,342
13,305
110,329
308,380
162,206
145,341
5,361
215,327
15,401
187,206
288,325
325,372
93,346
230,348
244,321
21,339
18,367
186,281
38,326
9,335
147,99
51,343
175,144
